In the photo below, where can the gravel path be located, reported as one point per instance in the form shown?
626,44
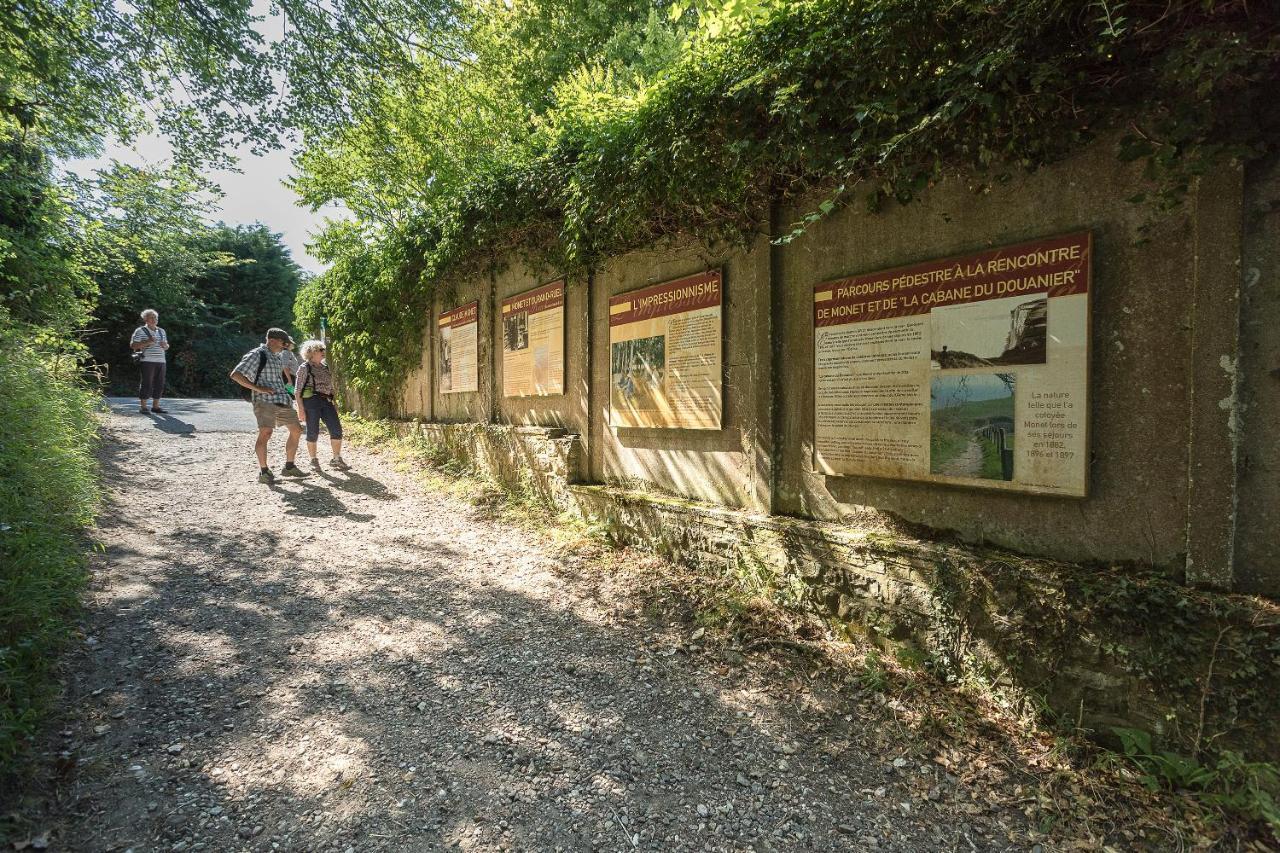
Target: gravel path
349,663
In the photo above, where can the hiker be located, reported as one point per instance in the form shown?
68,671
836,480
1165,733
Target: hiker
149,343
290,363
262,372
314,398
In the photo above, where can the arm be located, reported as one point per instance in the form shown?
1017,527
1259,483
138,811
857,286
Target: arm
297,395
243,381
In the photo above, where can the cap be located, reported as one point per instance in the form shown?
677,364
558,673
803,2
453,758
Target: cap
278,334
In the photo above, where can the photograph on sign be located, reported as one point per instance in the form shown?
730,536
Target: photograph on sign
665,355
971,425
533,342
459,349
970,370
993,332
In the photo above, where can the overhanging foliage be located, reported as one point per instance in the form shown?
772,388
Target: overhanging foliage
873,97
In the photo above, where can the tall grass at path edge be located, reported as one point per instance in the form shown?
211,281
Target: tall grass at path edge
48,497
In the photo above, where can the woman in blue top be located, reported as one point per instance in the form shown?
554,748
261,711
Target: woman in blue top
150,340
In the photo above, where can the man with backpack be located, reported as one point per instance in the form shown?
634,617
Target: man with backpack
261,371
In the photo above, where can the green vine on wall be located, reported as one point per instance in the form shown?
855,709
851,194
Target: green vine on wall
870,99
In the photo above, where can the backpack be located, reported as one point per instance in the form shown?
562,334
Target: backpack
257,374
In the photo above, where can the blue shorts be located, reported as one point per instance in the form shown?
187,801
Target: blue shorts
321,409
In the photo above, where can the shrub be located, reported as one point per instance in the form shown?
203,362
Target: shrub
48,495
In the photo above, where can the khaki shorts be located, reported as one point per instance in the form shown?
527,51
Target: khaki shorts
269,416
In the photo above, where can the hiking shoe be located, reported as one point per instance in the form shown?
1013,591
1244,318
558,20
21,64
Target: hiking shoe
291,470
315,462
143,410
339,463
159,411
265,476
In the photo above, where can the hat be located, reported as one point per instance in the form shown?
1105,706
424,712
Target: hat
279,335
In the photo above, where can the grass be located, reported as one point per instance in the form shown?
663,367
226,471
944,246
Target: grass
945,445
48,496
439,470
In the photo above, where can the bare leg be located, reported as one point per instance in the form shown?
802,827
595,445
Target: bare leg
335,444
311,449
260,447
291,445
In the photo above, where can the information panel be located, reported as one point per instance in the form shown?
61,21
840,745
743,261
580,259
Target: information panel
970,370
533,342
459,349
665,351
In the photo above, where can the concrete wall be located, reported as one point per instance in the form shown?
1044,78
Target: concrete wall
731,465
1184,414
569,410
415,394
1258,512
468,407
1147,345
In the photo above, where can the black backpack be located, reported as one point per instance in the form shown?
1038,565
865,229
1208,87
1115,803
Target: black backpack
257,374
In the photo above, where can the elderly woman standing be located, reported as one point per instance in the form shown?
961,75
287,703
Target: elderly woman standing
313,394
150,340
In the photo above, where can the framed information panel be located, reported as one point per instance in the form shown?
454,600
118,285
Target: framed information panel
460,349
971,370
665,355
533,342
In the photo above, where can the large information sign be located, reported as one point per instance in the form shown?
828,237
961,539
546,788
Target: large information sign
533,342
459,349
970,370
665,350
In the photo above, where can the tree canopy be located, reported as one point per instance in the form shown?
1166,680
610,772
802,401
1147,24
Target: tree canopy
575,129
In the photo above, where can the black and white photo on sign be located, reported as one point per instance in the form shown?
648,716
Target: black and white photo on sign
990,333
515,332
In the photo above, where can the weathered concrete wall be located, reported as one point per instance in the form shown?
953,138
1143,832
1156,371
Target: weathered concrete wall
1184,411
415,393
569,410
1154,336
1258,512
731,465
479,406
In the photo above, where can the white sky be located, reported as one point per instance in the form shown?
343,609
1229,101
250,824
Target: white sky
255,194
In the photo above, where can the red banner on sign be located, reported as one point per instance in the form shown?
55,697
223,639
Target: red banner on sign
461,315
1058,266
672,297
534,301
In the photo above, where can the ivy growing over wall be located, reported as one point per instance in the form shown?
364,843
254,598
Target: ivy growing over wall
868,101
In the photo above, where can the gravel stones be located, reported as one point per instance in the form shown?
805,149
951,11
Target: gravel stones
348,663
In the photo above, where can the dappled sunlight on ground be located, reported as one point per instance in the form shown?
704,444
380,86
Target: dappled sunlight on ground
346,663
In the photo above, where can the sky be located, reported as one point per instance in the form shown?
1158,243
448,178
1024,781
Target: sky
256,194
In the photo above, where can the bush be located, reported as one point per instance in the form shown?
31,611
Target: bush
48,496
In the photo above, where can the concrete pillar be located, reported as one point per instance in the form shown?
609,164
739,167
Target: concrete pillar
1213,387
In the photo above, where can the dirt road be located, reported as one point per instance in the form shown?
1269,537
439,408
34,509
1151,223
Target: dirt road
348,663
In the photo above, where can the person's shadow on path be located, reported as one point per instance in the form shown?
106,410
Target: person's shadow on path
314,501
358,484
171,425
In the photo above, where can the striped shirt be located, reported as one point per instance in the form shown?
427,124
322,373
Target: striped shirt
272,374
155,352
322,383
